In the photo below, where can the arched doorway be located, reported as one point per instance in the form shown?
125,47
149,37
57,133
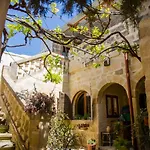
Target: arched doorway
141,121
113,107
82,106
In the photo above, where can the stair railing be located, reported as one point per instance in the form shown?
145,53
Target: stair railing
25,127
22,143
13,110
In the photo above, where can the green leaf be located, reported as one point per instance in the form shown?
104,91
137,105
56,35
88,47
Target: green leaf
58,30
74,29
54,8
107,31
54,67
96,65
96,32
14,1
39,21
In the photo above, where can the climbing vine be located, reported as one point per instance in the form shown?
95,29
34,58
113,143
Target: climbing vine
91,37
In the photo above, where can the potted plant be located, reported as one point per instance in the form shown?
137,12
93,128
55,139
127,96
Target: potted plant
120,143
91,144
77,117
86,117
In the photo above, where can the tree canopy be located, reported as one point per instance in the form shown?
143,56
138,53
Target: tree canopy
129,8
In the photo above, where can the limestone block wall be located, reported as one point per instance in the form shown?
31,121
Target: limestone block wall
95,80
29,72
29,67
131,34
85,133
84,77
92,79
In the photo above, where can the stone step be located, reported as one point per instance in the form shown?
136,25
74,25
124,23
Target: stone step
107,148
6,145
4,128
5,136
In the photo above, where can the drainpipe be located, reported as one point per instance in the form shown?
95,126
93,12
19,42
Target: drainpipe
126,58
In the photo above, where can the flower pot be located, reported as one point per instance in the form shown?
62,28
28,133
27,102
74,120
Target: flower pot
91,147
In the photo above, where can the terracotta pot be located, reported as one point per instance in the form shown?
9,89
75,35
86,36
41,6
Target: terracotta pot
91,147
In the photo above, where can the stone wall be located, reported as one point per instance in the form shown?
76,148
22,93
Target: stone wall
86,130
96,80
84,77
29,66
28,73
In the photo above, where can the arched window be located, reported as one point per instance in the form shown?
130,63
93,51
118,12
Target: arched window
83,106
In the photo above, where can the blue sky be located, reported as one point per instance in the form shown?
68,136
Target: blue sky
35,45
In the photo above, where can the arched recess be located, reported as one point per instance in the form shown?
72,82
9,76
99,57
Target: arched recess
112,105
142,113
107,81
141,95
82,106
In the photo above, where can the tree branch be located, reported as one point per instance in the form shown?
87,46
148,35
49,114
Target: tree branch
4,43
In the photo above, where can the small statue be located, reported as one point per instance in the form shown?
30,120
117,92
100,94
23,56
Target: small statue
108,129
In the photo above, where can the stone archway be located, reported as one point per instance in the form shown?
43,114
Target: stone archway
112,101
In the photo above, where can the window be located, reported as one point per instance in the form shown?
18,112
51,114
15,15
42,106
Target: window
65,51
112,108
56,48
83,106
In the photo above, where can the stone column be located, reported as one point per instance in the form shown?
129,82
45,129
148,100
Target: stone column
145,56
65,86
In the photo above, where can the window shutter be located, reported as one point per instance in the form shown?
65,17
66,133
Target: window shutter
64,104
68,106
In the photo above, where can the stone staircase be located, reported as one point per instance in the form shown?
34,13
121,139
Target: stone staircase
5,136
106,148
